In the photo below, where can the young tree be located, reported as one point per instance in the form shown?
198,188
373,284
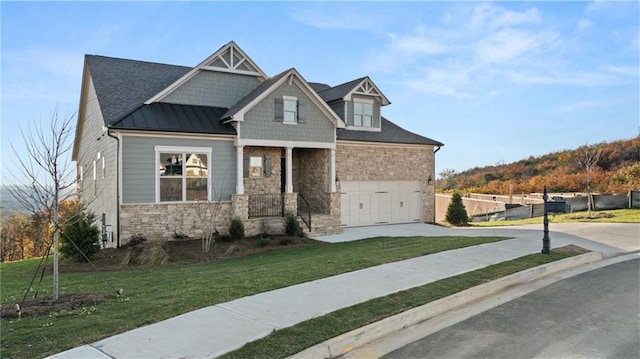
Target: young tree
44,174
456,213
447,181
588,159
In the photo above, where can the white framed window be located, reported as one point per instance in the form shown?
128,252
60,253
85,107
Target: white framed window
255,167
183,174
362,113
95,179
290,106
104,168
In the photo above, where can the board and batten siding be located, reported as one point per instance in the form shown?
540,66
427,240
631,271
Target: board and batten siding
260,123
139,166
216,89
98,195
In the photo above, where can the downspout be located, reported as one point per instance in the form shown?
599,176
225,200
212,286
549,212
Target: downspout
437,149
117,186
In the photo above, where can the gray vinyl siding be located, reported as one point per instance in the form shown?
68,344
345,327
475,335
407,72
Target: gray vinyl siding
376,110
139,167
98,195
216,89
259,122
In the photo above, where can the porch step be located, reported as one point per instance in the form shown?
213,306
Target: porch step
321,224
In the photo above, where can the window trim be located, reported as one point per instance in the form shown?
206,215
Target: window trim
184,150
363,102
284,111
260,173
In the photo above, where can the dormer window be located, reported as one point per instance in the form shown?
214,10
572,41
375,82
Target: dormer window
362,113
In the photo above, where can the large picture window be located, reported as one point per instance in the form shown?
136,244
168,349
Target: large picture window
183,175
362,114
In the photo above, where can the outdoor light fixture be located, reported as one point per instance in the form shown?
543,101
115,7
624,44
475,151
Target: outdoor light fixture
430,181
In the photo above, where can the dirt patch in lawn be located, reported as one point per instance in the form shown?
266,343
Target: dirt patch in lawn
65,304
184,251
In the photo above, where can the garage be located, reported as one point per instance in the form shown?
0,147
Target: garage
367,203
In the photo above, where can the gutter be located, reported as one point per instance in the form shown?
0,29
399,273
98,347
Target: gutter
437,149
117,186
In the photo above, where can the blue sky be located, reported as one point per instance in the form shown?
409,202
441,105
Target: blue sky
494,81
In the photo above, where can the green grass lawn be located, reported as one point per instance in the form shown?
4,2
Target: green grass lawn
611,216
157,293
288,341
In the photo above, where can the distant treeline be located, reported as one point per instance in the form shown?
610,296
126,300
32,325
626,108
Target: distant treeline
617,170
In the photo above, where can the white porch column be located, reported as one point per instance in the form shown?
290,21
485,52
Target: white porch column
289,185
239,169
332,171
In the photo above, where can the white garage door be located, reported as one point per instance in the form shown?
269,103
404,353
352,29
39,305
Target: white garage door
366,203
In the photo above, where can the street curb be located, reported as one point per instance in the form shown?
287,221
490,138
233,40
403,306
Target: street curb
346,342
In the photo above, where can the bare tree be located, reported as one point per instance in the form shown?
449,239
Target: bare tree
43,174
588,159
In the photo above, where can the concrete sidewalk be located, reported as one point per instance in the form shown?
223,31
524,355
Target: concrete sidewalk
215,330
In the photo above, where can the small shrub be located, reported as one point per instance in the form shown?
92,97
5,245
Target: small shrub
263,242
179,236
236,229
292,227
135,240
80,237
286,241
456,213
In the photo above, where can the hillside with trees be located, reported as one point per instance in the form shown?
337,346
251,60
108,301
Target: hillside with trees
615,169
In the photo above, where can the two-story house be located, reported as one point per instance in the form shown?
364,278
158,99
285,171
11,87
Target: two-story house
163,149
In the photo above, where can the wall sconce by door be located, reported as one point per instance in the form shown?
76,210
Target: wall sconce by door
429,181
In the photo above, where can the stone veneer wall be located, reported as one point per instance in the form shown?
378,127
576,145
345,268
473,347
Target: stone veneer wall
312,177
268,183
369,162
159,221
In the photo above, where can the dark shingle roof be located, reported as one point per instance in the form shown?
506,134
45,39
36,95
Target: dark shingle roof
338,92
162,116
318,86
124,85
253,94
390,133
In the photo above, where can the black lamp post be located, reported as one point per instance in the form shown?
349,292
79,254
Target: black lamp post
545,239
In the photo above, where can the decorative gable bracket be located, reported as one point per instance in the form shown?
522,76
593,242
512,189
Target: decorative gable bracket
367,87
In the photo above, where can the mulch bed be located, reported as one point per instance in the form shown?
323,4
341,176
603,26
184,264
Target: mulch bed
42,306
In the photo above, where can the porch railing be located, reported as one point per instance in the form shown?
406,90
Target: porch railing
266,205
304,210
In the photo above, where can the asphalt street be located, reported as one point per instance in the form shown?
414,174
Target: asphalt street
592,315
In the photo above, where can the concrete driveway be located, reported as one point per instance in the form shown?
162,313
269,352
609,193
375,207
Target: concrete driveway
608,237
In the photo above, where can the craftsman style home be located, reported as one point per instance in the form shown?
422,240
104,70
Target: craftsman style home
163,149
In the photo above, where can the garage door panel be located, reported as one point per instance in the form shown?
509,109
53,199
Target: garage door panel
377,202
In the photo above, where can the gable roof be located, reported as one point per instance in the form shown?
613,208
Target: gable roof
169,117
389,133
339,91
123,85
255,93
268,86
228,58
362,85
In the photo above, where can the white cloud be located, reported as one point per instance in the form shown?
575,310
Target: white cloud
416,44
510,44
489,16
584,25
325,16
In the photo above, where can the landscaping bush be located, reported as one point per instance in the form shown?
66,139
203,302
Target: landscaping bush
456,213
236,229
292,227
286,241
79,235
263,242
